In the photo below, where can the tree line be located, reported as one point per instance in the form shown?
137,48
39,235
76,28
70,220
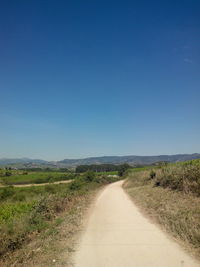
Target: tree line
102,167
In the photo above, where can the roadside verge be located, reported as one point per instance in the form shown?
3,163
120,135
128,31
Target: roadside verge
176,212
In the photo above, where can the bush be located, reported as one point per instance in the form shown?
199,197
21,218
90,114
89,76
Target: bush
50,189
75,185
19,197
122,169
6,193
181,177
7,173
89,176
152,174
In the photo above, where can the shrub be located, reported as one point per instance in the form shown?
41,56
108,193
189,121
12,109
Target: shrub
19,197
152,174
122,169
50,189
75,185
89,176
182,177
7,173
6,193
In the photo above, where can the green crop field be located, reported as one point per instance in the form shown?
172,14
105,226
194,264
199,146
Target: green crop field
35,177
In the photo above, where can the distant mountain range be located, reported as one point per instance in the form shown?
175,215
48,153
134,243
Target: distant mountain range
20,160
132,160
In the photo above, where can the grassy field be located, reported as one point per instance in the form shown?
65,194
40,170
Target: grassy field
29,212
35,177
170,196
138,169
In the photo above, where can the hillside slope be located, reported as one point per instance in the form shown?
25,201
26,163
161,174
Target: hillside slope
132,160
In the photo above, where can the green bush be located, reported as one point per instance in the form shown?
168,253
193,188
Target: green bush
19,197
122,169
89,176
75,185
6,192
50,189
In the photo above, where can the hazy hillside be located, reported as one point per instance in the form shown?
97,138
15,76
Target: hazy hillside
130,159
7,161
26,162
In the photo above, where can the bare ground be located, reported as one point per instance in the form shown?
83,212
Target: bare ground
28,185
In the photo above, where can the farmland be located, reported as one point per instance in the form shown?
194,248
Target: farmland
168,193
36,178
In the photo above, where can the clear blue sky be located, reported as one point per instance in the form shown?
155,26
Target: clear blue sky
92,78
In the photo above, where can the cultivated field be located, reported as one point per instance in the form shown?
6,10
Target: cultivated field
25,177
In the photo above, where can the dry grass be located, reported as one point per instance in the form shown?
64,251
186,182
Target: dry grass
55,246
182,177
176,211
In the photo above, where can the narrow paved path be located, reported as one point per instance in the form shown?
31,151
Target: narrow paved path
29,185
118,235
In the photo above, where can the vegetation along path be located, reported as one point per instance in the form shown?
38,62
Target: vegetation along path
117,235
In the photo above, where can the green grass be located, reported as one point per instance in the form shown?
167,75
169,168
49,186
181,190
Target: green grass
33,209
9,211
36,178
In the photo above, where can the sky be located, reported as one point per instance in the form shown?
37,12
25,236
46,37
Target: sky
94,78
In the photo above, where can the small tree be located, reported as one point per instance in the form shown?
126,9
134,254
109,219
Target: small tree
122,169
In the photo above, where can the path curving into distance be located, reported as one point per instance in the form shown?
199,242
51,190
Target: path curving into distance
118,235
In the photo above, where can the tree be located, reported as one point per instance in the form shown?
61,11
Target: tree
122,169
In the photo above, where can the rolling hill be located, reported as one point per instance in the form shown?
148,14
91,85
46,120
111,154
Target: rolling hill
132,160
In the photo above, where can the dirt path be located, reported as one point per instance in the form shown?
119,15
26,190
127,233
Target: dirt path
28,185
118,235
